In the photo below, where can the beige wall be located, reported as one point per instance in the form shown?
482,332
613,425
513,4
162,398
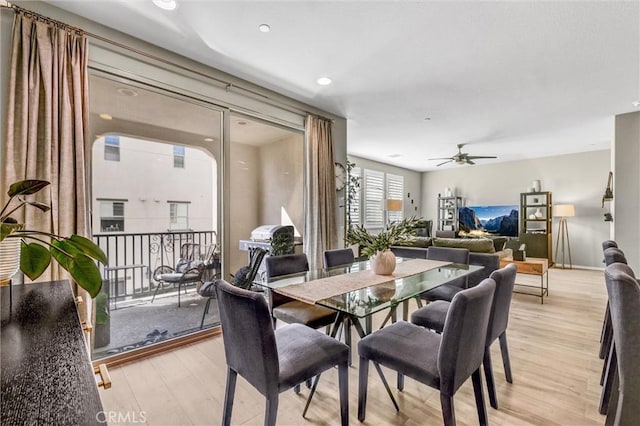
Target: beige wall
626,188
578,179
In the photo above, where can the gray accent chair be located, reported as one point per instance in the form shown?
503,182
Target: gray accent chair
338,257
450,289
624,301
614,255
273,361
609,243
434,315
442,361
290,310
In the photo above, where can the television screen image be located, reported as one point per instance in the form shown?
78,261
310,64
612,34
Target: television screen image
495,220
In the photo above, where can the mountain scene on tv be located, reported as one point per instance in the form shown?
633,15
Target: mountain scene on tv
497,220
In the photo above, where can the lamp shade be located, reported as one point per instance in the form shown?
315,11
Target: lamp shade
564,210
394,205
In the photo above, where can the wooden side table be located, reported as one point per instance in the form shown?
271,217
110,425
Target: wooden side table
531,266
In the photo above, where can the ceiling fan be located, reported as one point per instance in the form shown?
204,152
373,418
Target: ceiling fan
461,157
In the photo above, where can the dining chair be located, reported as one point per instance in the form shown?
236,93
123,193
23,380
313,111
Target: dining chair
274,361
624,301
442,361
450,289
434,316
338,257
609,243
290,310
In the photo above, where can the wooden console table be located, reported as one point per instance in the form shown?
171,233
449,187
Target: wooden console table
46,377
531,266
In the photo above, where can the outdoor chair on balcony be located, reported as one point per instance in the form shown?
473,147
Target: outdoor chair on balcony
188,270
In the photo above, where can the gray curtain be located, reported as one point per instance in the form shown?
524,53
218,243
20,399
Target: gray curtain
46,124
321,231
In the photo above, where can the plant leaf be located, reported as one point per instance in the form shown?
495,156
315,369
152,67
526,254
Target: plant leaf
8,228
34,259
88,247
27,187
42,206
85,272
62,252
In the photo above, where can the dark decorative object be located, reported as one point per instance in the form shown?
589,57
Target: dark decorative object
353,187
608,192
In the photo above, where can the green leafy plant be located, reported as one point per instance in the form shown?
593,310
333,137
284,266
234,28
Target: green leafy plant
353,187
395,233
76,254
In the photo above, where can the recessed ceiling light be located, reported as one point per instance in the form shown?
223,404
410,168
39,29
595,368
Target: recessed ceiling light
208,139
241,123
636,104
264,28
324,81
166,4
105,116
125,91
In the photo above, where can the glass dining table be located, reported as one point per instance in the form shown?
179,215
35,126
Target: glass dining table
384,292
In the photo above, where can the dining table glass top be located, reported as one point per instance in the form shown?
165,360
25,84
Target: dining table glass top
368,300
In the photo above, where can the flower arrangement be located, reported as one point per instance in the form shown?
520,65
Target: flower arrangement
395,233
76,254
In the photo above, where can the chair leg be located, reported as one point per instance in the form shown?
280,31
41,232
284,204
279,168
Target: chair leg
343,384
271,412
386,385
477,390
448,415
488,374
363,377
156,292
179,284
504,349
400,382
228,396
206,309
607,333
313,391
610,376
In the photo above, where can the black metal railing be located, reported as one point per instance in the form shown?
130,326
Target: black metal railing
134,256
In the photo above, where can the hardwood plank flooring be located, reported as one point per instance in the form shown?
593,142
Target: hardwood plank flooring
554,358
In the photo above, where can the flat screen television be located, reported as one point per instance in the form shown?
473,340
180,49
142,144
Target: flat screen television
495,220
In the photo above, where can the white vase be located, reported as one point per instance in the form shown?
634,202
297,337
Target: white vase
536,186
538,214
383,263
9,258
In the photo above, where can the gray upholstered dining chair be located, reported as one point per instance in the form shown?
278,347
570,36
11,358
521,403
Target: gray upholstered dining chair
609,243
290,310
624,302
434,316
448,290
273,361
338,257
442,361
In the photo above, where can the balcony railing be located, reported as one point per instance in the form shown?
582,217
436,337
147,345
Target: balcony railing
134,256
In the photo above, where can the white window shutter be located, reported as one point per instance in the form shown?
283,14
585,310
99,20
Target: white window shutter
373,199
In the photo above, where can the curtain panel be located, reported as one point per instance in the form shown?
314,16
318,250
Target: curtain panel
45,134
321,231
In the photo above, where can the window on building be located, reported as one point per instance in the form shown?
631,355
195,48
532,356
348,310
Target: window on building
395,191
373,191
178,215
112,148
111,216
178,157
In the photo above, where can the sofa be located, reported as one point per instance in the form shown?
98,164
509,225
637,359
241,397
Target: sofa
482,252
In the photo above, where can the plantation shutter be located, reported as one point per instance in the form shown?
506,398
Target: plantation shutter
373,199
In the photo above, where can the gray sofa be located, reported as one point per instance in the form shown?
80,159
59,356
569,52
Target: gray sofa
490,259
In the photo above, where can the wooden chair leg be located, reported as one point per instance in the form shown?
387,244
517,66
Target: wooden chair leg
488,374
504,349
343,384
271,412
363,377
228,396
477,390
448,415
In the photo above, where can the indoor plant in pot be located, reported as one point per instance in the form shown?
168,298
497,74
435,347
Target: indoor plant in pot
76,254
377,246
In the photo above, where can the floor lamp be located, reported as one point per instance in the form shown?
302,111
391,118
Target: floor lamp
563,211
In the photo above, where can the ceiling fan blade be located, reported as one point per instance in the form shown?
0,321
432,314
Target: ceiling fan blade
469,161
441,158
438,165
475,157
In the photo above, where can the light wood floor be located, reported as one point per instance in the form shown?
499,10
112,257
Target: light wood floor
554,359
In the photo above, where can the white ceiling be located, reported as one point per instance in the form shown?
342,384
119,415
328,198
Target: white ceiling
514,79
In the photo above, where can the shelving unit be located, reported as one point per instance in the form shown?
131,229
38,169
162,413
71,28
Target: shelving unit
448,213
536,224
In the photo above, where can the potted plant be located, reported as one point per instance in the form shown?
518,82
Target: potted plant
76,254
377,246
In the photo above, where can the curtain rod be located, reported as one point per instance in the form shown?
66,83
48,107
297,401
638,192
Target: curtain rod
228,86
